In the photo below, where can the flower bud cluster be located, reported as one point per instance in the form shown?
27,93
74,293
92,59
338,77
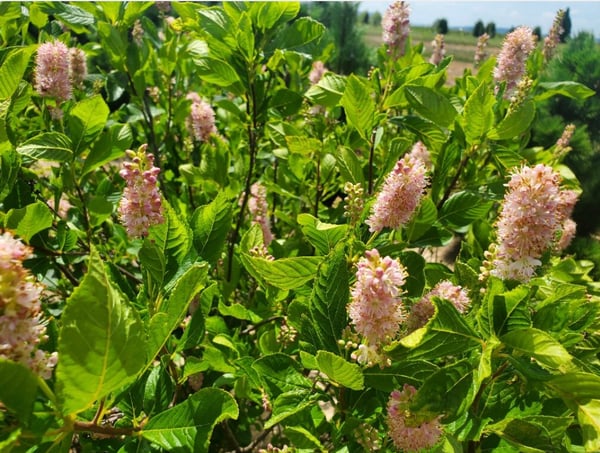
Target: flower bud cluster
480,53
439,49
201,120
354,202
318,69
258,207
409,431
58,69
402,191
396,27
423,310
563,143
141,204
553,38
532,217
512,59
22,327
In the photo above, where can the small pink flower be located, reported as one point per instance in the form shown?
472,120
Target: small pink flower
562,146
511,63
258,207
402,191
410,432
141,204
553,38
569,229
78,66
318,69
201,120
376,310
396,27
52,73
480,53
423,310
439,50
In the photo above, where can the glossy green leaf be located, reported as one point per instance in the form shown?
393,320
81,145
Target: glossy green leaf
323,236
213,70
72,15
48,145
568,88
270,14
430,104
532,434
10,163
425,216
290,403
173,236
539,345
340,371
188,426
13,68
478,115
446,333
18,388
301,144
588,416
463,208
328,91
110,146
359,106
30,220
280,373
210,225
86,120
428,132
515,123
575,386
153,263
300,34
284,273
101,344
329,298
349,165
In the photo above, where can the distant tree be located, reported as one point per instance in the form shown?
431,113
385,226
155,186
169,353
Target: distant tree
537,31
490,29
441,26
376,18
566,26
479,29
363,18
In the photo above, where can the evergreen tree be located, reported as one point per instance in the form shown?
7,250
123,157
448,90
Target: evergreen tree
376,19
490,29
537,31
479,29
441,26
566,26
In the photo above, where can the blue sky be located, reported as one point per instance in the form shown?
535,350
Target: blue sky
585,15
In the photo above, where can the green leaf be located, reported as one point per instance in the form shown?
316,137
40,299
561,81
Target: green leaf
301,144
13,68
72,15
588,416
340,371
101,344
533,434
478,115
539,345
280,373
188,426
18,388
329,298
515,123
113,43
463,208
431,134
48,145
570,89
111,145
446,333
430,104
425,216
576,386
211,224
270,14
10,163
172,236
290,403
299,35
86,120
284,273
172,310
359,106
213,70
349,165
153,267
30,220
323,236
328,91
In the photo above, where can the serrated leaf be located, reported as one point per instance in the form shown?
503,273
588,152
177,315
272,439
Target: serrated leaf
280,373
328,91
323,236
463,208
188,426
213,70
539,345
101,344
153,266
301,144
30,220
340,371
588,415
575,386
569,88
431,134
425,216
110,146
329,298
284,273
359,106
86,120
478,115
13,68
349,165
48,145
269,14
515,123
18,388
290,403
430,104
10,164
172,236
299,35
446,333
211,224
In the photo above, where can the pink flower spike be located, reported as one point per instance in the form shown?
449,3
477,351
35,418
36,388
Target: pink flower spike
52,73
201,120
511,63
396,27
